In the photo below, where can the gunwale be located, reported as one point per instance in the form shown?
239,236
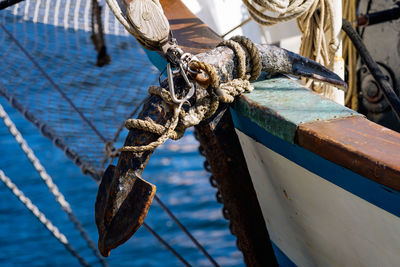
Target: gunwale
353,142
357,144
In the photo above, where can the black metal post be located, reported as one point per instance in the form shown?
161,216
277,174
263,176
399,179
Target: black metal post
6,3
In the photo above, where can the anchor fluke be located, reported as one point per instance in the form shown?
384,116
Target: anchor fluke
119,213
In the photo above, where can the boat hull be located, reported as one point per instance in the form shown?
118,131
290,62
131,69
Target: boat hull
314,214
326,179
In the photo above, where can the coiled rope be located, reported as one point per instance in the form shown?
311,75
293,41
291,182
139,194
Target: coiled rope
41,217
315,18
206,103
49,182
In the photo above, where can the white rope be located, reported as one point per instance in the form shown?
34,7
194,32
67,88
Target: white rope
49,182
115,7
41,217
315,19
287,10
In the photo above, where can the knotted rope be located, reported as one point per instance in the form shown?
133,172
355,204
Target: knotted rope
207,100
314,19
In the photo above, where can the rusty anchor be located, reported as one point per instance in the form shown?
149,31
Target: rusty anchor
124,198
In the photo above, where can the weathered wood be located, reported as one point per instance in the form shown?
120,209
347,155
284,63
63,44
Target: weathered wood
149,21
114,203
130,165
274,60
119,207
228,165
117,225
357,144
192,34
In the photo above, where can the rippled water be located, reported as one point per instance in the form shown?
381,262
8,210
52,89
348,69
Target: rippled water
176,169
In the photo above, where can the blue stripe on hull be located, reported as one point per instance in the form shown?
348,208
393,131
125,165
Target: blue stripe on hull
375,193
281,257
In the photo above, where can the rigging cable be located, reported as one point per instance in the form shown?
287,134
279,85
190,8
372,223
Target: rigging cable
53,84
60,199
49,182
183,228
197,244
46,131
41,217
162,241
62,93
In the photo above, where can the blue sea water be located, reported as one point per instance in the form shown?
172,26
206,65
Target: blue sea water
176,169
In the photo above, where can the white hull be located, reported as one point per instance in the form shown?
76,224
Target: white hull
315,222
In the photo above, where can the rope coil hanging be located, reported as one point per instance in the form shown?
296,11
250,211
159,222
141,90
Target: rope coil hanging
350,56
315,18
206,106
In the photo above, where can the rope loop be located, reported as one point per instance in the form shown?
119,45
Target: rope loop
206,104
254,55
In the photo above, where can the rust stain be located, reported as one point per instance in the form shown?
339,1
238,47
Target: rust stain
286,195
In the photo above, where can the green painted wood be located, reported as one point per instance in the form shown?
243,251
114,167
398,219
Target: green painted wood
280,105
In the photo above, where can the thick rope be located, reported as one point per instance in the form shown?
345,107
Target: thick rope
168,131
204,107
314,43
314,18
86,169
240,54
254,55
49,182
287,10
41,217
350,57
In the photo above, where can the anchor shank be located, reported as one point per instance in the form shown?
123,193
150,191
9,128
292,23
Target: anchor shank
124,197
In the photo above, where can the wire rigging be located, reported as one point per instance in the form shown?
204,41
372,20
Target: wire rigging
86,167
88,122
162,241
54,85
41,217
65,206
183,228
